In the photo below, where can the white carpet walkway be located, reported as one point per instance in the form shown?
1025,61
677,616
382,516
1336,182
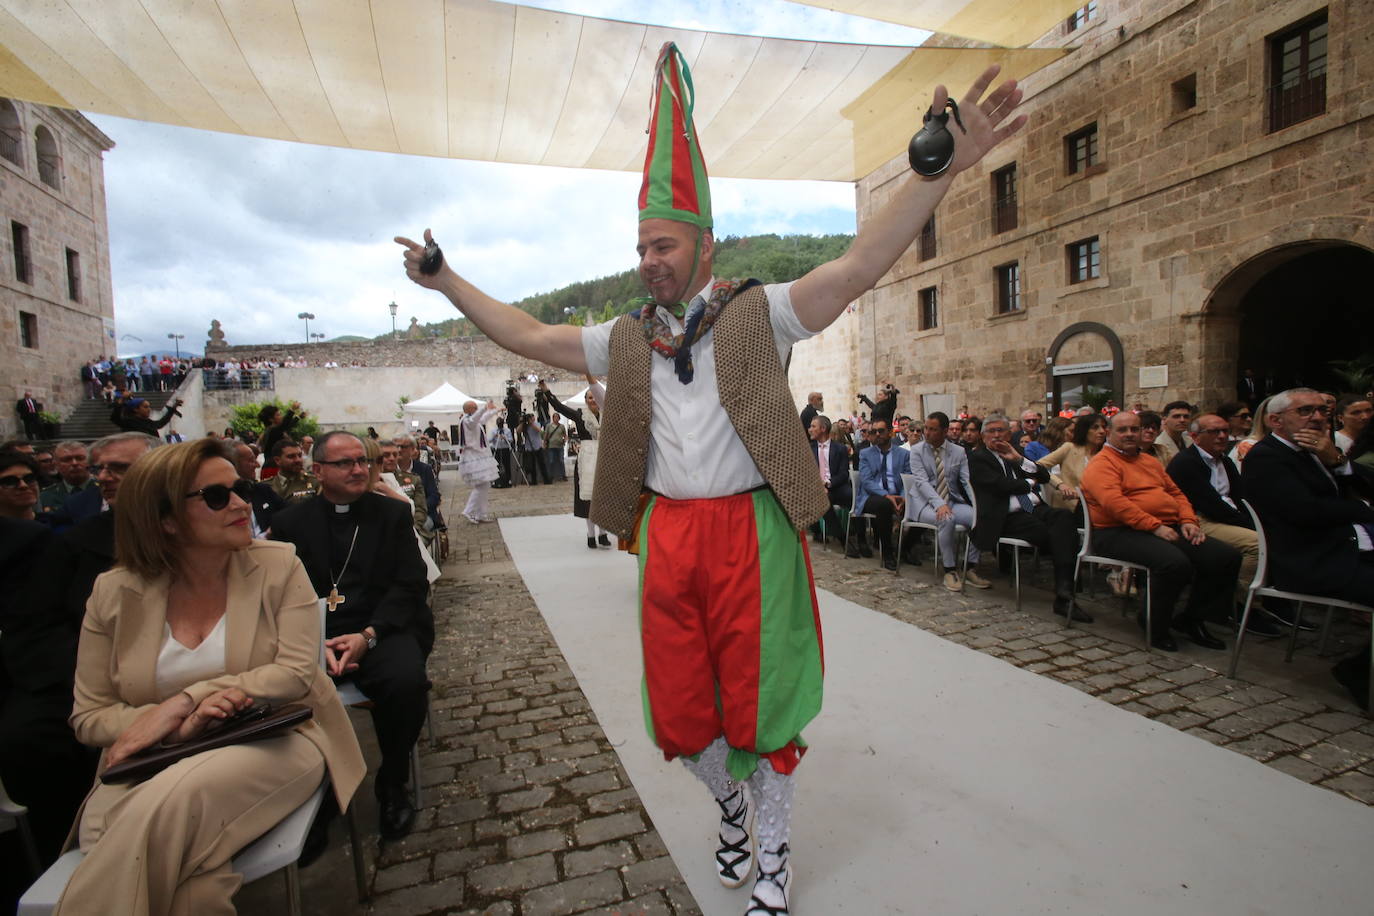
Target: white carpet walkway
944,781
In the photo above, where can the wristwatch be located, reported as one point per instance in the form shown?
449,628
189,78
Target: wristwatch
370,635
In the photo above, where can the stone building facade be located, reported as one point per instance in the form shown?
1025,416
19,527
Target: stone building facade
1191,197
56,299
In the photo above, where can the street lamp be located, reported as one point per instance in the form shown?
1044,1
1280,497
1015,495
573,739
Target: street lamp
177,339
393,307
307,317
317,336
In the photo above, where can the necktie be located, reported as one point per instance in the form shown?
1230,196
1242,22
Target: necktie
882,460
823,459
1022,498
682,362
941,485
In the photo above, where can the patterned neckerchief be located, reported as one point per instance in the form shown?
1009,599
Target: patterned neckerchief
678,346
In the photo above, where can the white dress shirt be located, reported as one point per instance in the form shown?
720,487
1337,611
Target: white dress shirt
694,451
1220,482
823,459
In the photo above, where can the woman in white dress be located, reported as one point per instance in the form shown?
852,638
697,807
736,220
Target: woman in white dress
475,462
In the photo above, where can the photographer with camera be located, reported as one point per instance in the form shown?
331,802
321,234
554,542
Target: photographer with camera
884,407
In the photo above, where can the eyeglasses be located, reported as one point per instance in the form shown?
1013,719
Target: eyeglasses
1306,410
216,495
115,468
15,481
1244,415
348,464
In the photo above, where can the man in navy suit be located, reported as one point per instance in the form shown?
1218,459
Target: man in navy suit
832,462
1311,501
1213,486
880,481
406,462
946,497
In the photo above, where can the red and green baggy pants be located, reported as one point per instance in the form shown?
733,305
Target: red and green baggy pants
730,628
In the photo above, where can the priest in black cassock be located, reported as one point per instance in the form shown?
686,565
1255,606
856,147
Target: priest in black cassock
360,551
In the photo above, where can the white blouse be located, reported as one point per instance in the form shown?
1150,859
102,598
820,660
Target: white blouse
179,667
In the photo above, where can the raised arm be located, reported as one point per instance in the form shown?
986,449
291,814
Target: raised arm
507,326
821,296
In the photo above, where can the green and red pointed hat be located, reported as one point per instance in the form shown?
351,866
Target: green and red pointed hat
675,183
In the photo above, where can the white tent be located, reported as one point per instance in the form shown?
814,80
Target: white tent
442,400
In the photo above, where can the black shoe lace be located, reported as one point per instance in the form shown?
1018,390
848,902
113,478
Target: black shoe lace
756,906
730,856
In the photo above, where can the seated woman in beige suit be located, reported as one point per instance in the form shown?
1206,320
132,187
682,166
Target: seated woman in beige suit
196,621
1066,463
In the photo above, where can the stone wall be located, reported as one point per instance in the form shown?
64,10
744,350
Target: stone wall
1185,201
71,216
358,398
458,353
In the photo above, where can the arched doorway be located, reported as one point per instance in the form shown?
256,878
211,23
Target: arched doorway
1290,313
1086,364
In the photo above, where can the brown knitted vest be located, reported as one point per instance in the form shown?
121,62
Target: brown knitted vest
753,390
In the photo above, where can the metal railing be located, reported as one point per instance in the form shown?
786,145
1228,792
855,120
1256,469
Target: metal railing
221,379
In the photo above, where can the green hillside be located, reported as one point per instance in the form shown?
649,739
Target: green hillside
770,258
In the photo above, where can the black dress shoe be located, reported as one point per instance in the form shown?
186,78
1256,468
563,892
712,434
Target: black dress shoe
865,551
911,558
1353,675
1261,623
1066,606
397,815
852,552
603,540
591,542
1165,643
1196,630
889,561
1287,614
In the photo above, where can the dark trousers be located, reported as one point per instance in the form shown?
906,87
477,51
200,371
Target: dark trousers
42,764
535,466
502,467
1211,567
1052,531
393,677
884,512
554,460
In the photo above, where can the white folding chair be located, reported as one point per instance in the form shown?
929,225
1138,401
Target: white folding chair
1259,588
1086,555
910,520
277,850
856,501
14,816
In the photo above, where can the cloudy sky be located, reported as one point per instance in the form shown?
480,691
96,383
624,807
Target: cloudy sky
253,232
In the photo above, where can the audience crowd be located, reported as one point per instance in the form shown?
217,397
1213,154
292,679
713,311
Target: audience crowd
93,538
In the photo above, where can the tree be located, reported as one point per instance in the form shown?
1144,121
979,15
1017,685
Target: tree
244,419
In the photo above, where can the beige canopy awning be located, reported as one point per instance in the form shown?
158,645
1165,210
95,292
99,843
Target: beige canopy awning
473,79
997,22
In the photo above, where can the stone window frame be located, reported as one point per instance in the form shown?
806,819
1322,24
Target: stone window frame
28,330
23,257
48,154
73,275
11,133
1083,260
928,309
1010,295
927,245
1308,98
1081,17
1005,199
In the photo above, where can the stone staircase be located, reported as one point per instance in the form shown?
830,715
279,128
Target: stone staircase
91,418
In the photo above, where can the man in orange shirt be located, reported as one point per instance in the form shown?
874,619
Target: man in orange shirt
1139,515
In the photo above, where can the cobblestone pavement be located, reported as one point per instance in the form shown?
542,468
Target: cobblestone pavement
529,811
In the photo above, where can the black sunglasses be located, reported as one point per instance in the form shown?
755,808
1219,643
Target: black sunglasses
15,481
216,495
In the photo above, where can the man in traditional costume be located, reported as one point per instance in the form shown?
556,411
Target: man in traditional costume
476,465
704,465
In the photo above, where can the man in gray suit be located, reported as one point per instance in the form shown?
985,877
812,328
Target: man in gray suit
945,497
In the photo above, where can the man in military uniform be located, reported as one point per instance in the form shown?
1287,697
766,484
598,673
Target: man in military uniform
73,477
411,486
293,483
